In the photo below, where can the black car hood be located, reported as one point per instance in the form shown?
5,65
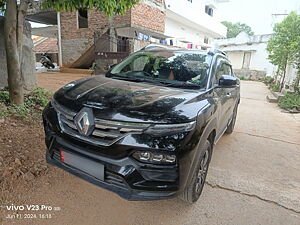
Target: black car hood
131,101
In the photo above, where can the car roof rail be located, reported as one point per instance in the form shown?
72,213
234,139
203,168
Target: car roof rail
214,51
159,47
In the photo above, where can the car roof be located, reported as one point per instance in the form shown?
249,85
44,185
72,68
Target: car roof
162,48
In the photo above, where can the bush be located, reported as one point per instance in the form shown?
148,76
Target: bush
267,80
291,101
39,97
33,104
4,97
274,87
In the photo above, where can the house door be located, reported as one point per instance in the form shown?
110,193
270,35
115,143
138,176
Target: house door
246,60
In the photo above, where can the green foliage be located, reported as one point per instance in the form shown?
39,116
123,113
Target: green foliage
34,102
284,46
109,7
39,97
233,29
291,101
275,87
4,97
267,80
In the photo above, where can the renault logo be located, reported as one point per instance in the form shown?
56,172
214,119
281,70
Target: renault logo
84,121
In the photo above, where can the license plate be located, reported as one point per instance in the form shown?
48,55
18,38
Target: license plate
88,166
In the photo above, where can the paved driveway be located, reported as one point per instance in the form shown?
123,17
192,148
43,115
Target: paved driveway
254,178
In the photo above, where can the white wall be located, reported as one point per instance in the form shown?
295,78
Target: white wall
193,16
184,33
235,48
260,61
236,58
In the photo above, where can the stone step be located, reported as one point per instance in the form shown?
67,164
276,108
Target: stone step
77,71
277,94
271,98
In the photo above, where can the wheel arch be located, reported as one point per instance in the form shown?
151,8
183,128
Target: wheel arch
208,133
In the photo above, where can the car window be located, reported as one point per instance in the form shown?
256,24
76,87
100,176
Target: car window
169,66
223,68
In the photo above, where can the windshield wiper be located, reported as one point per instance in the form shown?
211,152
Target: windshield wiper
163,82
174,84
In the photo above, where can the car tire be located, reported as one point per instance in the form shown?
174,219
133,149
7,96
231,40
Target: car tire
230,127
194,189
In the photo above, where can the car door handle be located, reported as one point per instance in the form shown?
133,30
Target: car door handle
228,95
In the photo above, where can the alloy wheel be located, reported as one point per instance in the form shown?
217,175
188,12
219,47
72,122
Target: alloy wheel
202,171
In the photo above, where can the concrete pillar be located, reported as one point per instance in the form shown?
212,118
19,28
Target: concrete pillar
59,40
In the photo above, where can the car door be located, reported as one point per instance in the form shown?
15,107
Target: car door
230,94
222,96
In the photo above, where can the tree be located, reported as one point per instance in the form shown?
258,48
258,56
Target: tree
284,46
233,29
15,14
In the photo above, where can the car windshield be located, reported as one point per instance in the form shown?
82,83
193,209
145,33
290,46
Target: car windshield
181,69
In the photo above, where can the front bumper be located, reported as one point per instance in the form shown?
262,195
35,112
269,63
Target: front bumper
126,177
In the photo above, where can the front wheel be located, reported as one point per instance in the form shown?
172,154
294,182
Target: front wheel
194,189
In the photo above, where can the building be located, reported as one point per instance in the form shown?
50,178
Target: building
248,55
85,36
192,23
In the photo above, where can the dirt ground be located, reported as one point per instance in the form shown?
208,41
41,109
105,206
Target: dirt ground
54,80
253,179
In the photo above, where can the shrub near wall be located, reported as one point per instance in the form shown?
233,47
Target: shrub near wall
290,102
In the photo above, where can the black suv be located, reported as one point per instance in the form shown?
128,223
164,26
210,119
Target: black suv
146,129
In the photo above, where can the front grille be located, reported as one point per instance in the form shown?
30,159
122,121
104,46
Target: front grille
105,132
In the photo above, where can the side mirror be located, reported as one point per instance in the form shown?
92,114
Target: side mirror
227,81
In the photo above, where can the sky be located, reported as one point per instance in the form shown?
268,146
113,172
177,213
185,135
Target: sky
256,13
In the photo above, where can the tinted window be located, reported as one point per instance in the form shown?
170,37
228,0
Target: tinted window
171,66
223,68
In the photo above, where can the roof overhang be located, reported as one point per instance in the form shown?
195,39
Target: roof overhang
133,30
45,17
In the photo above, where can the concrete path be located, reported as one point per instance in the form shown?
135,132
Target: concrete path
262,157
254,178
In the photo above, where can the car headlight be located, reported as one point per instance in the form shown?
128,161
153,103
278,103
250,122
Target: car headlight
155,158
170,128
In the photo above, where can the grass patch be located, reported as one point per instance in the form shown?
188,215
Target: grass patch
291,101
34,103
